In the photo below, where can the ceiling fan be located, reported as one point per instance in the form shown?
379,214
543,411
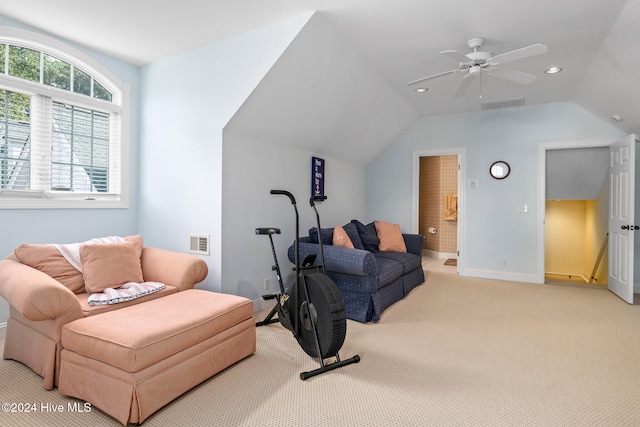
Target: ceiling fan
475,63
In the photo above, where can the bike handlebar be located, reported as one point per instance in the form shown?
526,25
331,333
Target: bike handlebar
285,193
316,199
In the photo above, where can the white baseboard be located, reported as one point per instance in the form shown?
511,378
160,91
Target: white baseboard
261,304
438,255
500,275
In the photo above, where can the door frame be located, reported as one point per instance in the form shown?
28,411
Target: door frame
542,187
415,193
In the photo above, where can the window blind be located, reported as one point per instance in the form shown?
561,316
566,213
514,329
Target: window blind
41,142
57,147
15,143
80,149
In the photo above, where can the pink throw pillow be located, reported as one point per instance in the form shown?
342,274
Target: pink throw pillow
341,238
48,259
137,242
110,265
390,236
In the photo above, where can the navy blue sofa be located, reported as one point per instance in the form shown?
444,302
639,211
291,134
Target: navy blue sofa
369,280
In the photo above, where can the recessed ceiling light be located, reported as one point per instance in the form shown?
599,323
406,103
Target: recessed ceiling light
422,90
553,70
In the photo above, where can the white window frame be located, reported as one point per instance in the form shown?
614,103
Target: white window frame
120,105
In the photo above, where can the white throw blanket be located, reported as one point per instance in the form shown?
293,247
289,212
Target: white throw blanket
71,251
126,292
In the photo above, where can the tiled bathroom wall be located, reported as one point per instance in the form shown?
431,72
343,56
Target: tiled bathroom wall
438,179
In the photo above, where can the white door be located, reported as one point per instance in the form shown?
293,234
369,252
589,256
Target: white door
621,217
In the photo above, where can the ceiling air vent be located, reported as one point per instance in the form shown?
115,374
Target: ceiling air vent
199,244
507,103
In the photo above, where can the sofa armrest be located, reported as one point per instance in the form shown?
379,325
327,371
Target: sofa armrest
36,295
357,262
172,268
414,243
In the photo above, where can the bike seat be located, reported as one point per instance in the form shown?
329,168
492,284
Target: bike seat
267,230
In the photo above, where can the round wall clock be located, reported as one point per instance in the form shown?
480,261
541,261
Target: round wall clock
500,169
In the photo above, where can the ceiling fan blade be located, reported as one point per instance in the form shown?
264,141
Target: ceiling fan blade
524,52
463,86
434,76
455,55
513,75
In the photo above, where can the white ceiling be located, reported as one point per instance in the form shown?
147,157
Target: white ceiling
594,41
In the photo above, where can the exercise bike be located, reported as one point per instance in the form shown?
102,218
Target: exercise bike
312,308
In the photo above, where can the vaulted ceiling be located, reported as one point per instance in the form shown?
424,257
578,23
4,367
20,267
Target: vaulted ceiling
594,41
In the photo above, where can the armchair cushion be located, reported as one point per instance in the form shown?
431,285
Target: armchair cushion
47,259
109,266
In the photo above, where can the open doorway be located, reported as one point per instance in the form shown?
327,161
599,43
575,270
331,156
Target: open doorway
576,213
438,208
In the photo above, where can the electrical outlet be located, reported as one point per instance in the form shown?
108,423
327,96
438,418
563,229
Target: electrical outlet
266,284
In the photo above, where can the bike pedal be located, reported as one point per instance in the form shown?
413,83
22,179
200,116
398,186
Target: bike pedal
268,297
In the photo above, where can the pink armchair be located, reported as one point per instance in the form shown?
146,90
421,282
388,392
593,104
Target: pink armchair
40,305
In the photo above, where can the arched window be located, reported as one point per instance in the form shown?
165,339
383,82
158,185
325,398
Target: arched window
63,126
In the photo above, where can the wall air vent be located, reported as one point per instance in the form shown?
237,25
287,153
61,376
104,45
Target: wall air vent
199,244
507,103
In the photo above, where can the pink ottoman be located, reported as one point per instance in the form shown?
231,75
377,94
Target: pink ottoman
132,361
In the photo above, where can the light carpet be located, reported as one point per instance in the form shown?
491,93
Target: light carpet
456,351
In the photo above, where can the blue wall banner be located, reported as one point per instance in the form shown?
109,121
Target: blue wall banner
317,176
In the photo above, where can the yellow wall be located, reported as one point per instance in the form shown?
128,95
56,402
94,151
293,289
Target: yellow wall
573,239
596,229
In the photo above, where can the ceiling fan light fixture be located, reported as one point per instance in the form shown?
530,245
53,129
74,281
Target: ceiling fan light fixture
475,69
472,65
553,70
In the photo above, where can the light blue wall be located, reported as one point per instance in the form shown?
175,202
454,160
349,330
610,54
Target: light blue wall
73,225
253,167
494,230
186,102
